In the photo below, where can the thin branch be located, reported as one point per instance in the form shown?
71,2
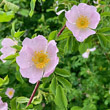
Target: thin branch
34,91
61,30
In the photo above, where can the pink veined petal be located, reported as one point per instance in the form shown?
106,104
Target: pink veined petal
24,60
73,28
8,50
3,105
86,10
94,20
92,49
84,33
72,14
50,67
85,55
52,49
8,42
38,43
32,73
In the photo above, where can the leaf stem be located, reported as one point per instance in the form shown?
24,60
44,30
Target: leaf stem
61,30
34,91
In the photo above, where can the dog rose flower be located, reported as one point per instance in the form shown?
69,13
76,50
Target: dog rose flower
3,106
81,20
37,58
86,54
10,92
7,49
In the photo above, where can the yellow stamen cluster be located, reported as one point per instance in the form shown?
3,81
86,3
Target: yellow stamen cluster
88,50
40,59
10,93
82,22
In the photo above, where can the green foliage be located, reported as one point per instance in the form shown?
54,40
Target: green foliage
77,83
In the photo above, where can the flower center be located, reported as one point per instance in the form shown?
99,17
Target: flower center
88,51
40,59
82,22
10,93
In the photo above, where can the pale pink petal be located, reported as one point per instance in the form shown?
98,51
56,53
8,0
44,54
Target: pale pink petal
84,33
52,49
85,55
3,105
72,14
7,92
50,67
36,44
24,60
94,20
8,50
86,10
61,11
8,42
32,73
92,49
73,28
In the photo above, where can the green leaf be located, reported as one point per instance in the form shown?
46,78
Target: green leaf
83,47
22,100
10,57
1,82
76,108
6,16
62,72
17,47
64,82
53,85
32,4
90,107
11,6
18,77
18,34
60,98
52,35
104,40
6,80
105,14
13,104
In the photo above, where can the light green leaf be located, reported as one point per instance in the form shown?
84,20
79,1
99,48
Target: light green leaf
53,85
76,108
52,35
6,16
105,14
18,34
32,4
22,100
60,98
62,72
10,57
11,6
64,82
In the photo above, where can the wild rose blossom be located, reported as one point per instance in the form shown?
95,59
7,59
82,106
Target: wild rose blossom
86,54
37,58
3,105
7,49
81,20
10,92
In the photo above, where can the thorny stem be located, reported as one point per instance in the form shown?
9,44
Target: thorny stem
61,30
34,91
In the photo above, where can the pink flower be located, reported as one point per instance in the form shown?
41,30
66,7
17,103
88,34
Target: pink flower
37,58
81,20
86,54
10,92
3,106
7,49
